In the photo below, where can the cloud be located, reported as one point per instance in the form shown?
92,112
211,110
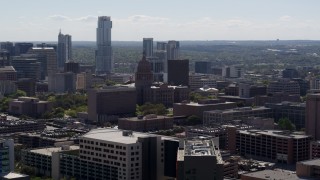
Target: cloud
285,18
88,18
60,18
142,19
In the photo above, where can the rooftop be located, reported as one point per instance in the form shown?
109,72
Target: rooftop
277,133
49,151
7,68
13,175
313,162
273,175
114,135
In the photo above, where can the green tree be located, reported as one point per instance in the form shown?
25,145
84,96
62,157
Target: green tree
285,124
148,108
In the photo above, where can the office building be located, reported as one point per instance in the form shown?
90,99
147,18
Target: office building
197,109
224,116
178,72
199,159
147,123
64,49
162,46
8,46
235,71
315,150
276,98
147,46
270,145
308,169
312,116
106,103
83,81
247,90
22,48
72,66
27,67
304,85
5,59
29,106
63,82
27,85
43,45
8,76
290,73
203,67
284,86
6,156
295,112
143,78
173,50
104,59
270,174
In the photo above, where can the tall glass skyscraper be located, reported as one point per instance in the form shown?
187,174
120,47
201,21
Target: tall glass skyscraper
64,49
104,59
148,46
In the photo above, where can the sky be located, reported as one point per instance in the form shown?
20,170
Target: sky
40,20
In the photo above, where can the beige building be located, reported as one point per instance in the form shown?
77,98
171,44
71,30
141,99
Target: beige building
308,169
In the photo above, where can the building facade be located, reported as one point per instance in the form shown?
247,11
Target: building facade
64,51
148,46
312,120
104,58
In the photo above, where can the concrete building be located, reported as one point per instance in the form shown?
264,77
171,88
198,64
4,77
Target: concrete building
104,103
63,82
248,90
270,145
197,81
147,123
224,116
312,124
290,73
197,109
8,77
83,81
162,46
276,98
10,126
6,156
284,86
295,112
178,72
173,50
64,51
199,159
308,169
315,150
5,58
29,106
235,71
147,46
166,95
104,58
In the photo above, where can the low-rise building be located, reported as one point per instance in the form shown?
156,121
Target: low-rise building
199,159
149,122
29,106
308,169
270,174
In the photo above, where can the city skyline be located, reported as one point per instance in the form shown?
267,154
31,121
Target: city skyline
179,20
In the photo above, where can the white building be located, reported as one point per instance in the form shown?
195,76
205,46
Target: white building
104,58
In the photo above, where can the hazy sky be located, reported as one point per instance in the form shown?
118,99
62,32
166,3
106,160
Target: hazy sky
40,20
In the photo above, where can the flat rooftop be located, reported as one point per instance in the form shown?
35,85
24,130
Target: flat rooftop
49,151
273,175
13,175
114,135
313,162
277,133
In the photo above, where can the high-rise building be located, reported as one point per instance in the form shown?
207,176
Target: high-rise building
313,116
148,46
162,46
72,66
104,59
6,156
64,49
4,58
178,72
22,48
203,67
27,67
7,46
173,50
143,79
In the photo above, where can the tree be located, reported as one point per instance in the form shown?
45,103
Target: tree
193,120
148,108
285,124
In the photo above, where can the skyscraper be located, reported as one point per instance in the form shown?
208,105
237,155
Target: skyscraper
148,46
313,116
64,49
173,50
104,60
